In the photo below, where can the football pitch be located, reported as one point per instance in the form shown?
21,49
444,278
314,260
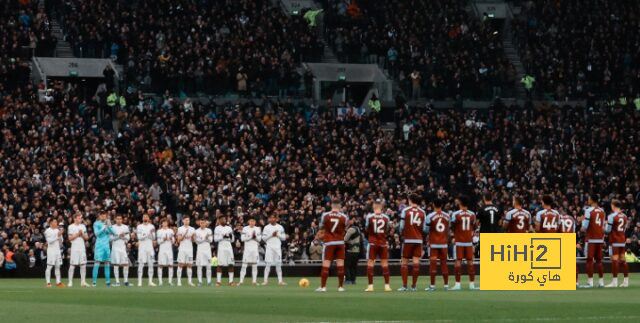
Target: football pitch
27,300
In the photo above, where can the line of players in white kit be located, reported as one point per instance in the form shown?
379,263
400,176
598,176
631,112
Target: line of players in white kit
111,249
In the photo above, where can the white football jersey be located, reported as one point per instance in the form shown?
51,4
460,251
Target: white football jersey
54,240
187,234
77,244
165,239
203,237
117,242
251,243
219,236
269,239
146,235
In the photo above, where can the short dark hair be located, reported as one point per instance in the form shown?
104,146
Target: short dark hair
595,197
415,198
487,196
547,199
463,200
438,202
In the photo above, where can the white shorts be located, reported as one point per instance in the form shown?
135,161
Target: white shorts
145,256
54,258
250,256
119,257
225,257
165,258
78,258
272,256
185,256
203,257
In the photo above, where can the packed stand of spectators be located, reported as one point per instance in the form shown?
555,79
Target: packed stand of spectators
24,31
580,48
189,159
248,47
434,48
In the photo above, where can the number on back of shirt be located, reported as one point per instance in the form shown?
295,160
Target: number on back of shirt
415,218
620,225
378,225
466,223
548,225
334,225
440,226
520,224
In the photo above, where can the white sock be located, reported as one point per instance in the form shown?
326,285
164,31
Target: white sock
140,271
230,276
189,275
199,272
179,275
208,274
116,273
370,285
472,285
47,274
58,275
457,284
600,281
267,268
125,273
590,281
243,272
626,280
615,280
150,272
160,275
83,273
279,272
72,268
170,269
254,273
218,277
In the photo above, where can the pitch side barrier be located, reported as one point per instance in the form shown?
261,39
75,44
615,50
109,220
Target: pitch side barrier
300,268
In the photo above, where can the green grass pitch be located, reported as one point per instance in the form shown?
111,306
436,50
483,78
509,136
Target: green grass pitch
27,300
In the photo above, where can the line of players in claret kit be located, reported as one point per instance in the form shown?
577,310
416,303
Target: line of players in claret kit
415,224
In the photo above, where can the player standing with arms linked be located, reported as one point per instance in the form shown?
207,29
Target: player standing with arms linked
547,219
223,235
273,235
165,239
102,254
203,239
146,235
53,236
594,225
251,236
412,226
120,236
185,250
333,225
438,228
377,227
617,224
518,220
77,233
464,226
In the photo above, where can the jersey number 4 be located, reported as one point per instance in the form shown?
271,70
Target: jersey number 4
549,225
415,218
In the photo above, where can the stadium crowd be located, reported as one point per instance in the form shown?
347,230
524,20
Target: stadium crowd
576,49
435,49
251,161
186,46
